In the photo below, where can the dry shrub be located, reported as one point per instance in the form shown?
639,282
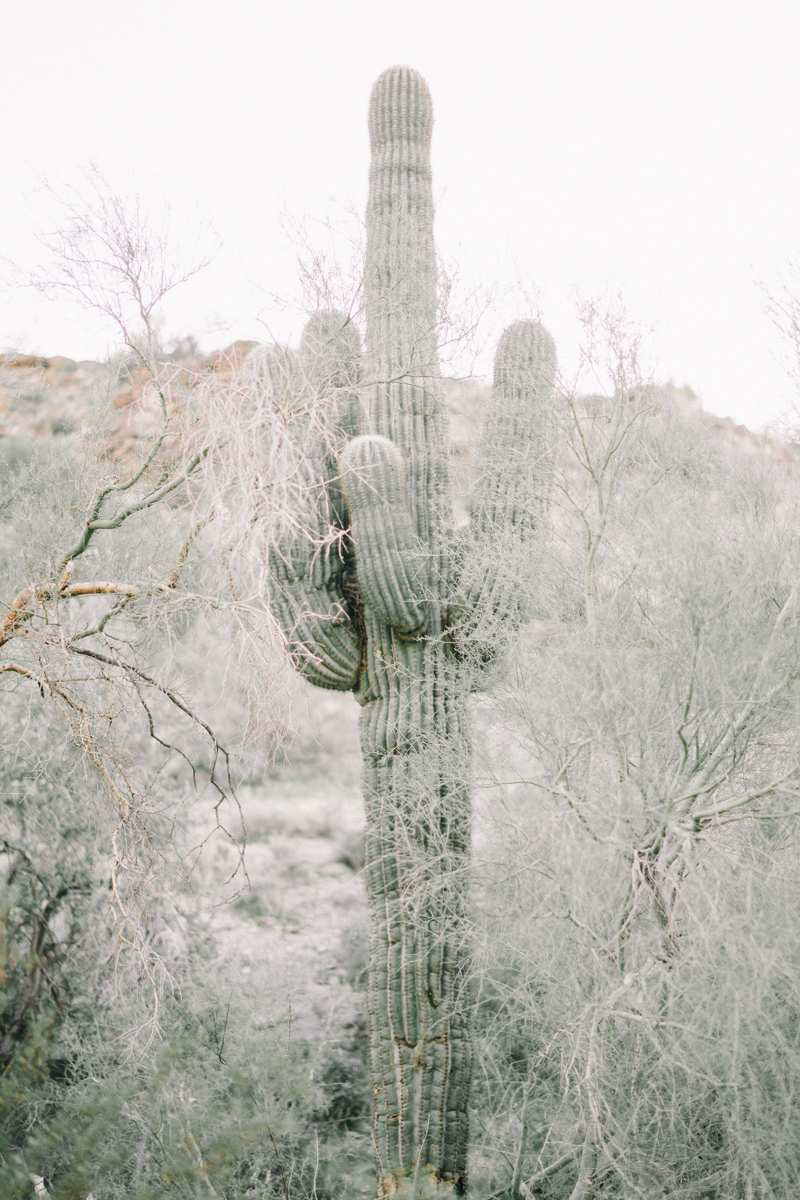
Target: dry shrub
638,881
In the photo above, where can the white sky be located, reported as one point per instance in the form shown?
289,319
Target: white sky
591,145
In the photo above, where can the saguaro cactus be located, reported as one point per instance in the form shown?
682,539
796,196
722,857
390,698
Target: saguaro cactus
399,610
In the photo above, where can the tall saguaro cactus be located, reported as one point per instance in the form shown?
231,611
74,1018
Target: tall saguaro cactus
389,608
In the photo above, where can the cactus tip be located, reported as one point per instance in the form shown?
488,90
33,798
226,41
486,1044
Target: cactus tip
328,328
525,349
330,349
400,108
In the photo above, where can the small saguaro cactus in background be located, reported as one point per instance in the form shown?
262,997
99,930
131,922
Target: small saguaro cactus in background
383,597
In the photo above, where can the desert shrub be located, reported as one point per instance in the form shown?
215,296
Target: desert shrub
638,898
221,1096
167,1075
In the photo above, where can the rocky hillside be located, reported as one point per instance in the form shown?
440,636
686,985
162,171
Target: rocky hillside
40,397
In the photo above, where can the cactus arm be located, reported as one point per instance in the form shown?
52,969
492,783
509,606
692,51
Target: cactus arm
307,595
517,442
330,363
511,493
389,556
322,641
309,570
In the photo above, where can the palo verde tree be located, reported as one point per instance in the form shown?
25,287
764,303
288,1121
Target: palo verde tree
381,596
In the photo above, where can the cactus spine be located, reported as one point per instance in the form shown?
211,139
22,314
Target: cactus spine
394,618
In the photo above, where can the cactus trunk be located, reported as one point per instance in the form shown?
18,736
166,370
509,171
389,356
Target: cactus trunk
417,810
413,729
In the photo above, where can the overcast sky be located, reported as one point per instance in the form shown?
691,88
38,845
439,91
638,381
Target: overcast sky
583,146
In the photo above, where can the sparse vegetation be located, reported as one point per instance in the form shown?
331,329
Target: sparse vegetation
186,1005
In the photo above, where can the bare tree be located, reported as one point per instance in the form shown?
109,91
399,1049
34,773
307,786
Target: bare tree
121,535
